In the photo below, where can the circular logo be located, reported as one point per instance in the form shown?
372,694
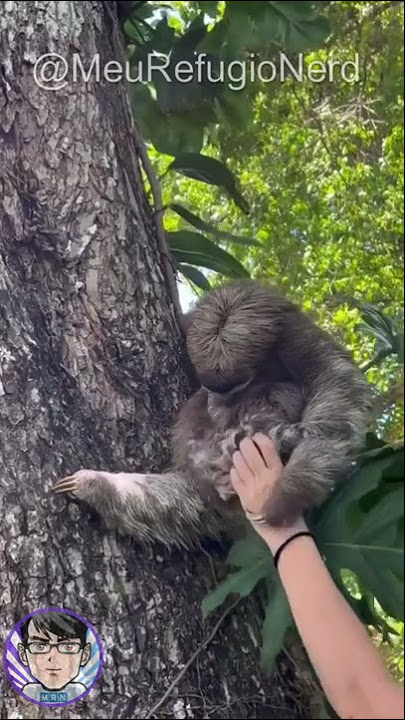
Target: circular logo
53,657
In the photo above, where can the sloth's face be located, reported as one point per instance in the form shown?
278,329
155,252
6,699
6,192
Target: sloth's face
225,385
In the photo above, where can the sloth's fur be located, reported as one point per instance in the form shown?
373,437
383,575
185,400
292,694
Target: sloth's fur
264,365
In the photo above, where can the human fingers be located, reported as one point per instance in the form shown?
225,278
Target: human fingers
236,481
243,469
268,450
252,456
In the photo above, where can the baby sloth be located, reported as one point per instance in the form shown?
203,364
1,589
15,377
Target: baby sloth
263,366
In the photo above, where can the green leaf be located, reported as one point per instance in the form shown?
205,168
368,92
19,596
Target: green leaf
234,108
374,465
362,528
259,26
241,583
296,10
168,134
254,9
195,276
209,6
387,511
382,328
207,227
380,452
384,347
210,171
195,249
373,442
175,133
302,29
373,316
364,607
248,551
310,34
278,621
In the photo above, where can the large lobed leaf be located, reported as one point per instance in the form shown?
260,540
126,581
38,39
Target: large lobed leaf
260,26
253,562
362,526
250,560
277,622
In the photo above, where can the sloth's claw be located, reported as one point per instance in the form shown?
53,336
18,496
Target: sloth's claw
74,483
66,485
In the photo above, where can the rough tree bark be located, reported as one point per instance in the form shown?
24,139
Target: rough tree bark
92,373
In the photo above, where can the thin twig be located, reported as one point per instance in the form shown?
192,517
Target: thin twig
194,656
154,185
160,232
210,560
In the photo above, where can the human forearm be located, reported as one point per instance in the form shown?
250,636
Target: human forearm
343,656
347,664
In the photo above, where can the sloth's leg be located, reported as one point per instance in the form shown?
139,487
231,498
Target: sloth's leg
168,508
312,472
333,429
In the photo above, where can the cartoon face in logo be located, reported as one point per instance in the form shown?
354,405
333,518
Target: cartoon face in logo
53,657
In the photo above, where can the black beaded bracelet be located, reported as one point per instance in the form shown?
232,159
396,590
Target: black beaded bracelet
286,542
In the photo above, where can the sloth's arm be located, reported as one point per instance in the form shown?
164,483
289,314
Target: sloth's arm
333,423
168,508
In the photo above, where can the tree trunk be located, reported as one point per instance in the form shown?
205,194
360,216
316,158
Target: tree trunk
92,374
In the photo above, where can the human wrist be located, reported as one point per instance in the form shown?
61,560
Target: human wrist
275,537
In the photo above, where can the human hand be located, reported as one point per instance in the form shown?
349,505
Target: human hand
256,469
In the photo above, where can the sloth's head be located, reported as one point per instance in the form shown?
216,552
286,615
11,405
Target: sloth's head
230,332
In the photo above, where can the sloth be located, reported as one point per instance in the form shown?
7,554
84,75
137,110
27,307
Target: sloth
263,366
